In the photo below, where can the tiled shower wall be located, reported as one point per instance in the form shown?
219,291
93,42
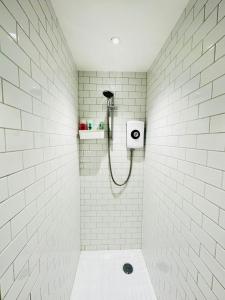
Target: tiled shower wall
111,217
39,168
184,198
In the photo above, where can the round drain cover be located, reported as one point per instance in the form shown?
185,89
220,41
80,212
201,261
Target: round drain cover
127,268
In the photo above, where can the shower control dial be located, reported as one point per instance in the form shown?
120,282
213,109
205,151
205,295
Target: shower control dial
135,134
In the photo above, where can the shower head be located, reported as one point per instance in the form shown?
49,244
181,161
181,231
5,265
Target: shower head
108,94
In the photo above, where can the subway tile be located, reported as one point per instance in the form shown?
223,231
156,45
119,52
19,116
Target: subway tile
14,52
2,140
218,289
215,195
46,10
201,267
212,107
16,10
221,12
217,123
220,46
9,70
194,213
10,163
219,86
206,207
198,126
213,266
206,240
13,96
52,37
194,25
201,95
213,71
9,117
214,230
3,189
18,140
206,27
6,281
205,288
129,74
5,236
222,218
20,180
29,284
208,175
36,290
37,41
11,207
23,218
26,44
29,11
211,141
30,86
184,77
39,76
1,99
185,24
176,71
210,6
196,156
7,21
215,35
120,74
45,38
87,79
216,160
32,157
184,52
187,141
199,5
34,190
203,62
191,86
41,140
36,5
192,56
18,284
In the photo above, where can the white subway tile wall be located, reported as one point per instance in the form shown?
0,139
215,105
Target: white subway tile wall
184,189
39,166
111,217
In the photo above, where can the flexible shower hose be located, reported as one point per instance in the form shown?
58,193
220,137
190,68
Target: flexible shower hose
109,157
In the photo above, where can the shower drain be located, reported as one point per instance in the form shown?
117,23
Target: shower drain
128,268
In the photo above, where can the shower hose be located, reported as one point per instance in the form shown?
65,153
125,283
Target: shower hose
109,157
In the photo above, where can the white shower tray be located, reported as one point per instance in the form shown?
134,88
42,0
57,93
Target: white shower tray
91,134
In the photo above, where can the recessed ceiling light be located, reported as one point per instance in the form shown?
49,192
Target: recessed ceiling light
115,40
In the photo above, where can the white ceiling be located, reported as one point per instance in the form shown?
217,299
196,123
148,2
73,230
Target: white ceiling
142,25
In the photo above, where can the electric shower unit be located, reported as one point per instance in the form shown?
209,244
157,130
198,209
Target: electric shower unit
135,135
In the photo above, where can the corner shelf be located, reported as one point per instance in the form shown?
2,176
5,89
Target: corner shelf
91,134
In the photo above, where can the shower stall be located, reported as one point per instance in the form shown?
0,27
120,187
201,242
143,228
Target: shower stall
134,210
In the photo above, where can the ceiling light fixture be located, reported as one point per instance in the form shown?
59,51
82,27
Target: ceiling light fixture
115,40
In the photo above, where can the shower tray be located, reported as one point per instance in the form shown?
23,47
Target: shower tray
100,276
